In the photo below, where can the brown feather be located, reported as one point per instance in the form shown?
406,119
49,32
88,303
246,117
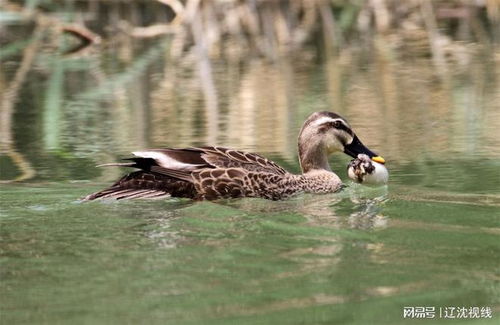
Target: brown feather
141,184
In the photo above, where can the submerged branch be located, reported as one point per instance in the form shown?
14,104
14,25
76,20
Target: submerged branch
9,98
433,35
84,35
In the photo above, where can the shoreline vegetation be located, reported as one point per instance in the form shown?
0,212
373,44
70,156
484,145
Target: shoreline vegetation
267,28
58,41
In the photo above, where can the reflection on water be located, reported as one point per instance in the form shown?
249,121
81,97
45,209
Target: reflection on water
429,239
77,115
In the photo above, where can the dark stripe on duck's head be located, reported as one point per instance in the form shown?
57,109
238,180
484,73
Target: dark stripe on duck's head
317,115
338,124
328,119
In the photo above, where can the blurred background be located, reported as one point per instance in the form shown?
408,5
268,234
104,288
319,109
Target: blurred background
85,82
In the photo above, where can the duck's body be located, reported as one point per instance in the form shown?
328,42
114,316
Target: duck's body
212,173
215,172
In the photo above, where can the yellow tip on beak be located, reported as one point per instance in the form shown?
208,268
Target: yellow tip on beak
379,159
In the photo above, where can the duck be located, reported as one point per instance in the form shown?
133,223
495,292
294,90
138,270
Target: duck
212,172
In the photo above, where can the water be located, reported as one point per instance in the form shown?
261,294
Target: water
431,238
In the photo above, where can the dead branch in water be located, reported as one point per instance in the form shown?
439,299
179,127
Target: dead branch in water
84,35
9,98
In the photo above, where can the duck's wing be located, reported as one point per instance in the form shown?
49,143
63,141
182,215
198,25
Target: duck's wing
229,182
181,173
193,159
229,158
145,185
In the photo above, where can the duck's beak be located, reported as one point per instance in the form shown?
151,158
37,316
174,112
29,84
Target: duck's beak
356,147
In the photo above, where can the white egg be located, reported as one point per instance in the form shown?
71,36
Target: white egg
379,176
365,171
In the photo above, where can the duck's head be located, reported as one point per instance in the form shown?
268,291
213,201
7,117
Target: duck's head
324,133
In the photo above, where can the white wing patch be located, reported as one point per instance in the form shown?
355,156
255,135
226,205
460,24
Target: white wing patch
164,160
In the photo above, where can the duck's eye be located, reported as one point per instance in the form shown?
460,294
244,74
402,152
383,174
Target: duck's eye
336,124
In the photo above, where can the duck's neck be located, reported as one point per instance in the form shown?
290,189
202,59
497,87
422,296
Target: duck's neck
313,158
